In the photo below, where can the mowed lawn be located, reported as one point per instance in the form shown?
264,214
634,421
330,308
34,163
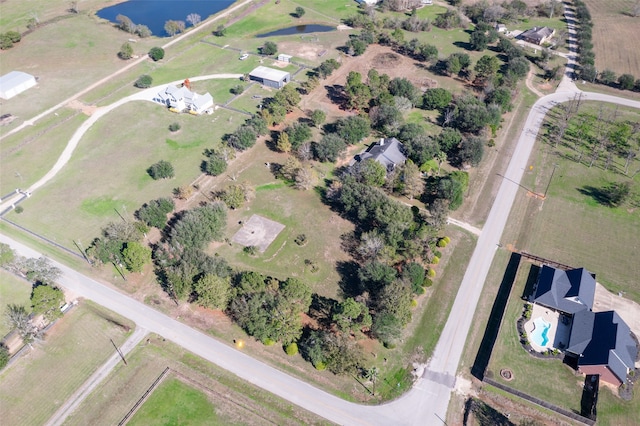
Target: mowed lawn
37,384
615,36
108,169
302,212
176,403
13,291
547,379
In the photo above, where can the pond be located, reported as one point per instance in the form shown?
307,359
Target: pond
154,13
298,29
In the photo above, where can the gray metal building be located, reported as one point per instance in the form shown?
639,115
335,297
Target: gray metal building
270,77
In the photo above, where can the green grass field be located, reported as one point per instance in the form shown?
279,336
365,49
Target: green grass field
35,386
234,401
572,227
13,291
174,403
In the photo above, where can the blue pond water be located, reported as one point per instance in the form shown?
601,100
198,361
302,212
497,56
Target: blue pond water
154,13
298,29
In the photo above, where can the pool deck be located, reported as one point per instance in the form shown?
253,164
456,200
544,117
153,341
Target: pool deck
558,334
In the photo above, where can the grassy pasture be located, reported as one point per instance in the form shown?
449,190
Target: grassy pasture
13,291
615,34
175,402
235,401
135,128
35,386
571,226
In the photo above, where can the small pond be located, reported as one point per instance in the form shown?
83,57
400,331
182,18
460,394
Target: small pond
154,13
298,29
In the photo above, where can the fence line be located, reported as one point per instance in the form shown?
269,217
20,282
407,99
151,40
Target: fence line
537,401
143,397
41,237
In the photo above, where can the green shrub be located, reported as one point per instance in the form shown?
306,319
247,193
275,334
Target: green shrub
268,342
291,349
174,127
389,345
237,89
320,366
414,303
251,251
427,282
435,260
420,291
161,170
442,243
431,273
19,209
301,240
438,254
447,239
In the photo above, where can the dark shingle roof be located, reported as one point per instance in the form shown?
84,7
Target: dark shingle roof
603,338
388,152
567,291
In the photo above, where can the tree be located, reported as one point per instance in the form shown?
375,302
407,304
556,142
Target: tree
194,19
156,53
4,356
387,328
237,89
607,76
317,117
386,118
234,196
155,212
358,93
452,188
519,67
19,319
125,23
501,97
326,68
351,316
172,27
46,300
370,172
135,256
487,67
126,51
269,48
588,73
288,97
220,31
212,291
471,150
353,129
356,46
199,226
437,98
243,138
144,81
306,178
298,134
412,178
626,81
371,374
143,31
283,143
300,12
7,255
41,271
403,87
478,40
215,164
330,147
161,170
414,273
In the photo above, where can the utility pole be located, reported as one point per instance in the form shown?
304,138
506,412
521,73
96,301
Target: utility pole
550,177
119,352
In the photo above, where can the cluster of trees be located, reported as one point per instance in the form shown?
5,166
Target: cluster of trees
8,39
596,138
126,24
121,244
46,297
511,11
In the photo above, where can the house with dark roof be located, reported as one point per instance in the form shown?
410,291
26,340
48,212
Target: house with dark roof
538,35
603,344
389,152
565,291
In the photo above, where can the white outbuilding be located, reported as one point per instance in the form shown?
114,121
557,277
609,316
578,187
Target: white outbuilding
15,83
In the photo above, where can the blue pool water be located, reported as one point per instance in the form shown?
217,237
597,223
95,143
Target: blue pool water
540,332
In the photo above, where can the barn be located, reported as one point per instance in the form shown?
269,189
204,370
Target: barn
15,83
270,77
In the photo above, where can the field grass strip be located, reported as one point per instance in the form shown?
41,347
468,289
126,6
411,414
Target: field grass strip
144,397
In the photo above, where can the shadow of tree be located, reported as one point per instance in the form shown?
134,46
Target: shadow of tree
349,284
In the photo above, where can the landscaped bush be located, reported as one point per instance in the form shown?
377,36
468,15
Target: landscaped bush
320,366
431,273
161,170
291,349
174,127
435,260
268,342
301,240
427,282
414,303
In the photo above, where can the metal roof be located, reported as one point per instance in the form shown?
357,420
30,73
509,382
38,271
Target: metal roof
267,73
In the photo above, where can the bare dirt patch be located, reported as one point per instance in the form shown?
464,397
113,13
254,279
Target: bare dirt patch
307,51
81,106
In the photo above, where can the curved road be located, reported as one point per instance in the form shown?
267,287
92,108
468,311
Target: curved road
427,401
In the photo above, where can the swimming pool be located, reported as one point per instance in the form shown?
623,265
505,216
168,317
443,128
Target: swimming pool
540,332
